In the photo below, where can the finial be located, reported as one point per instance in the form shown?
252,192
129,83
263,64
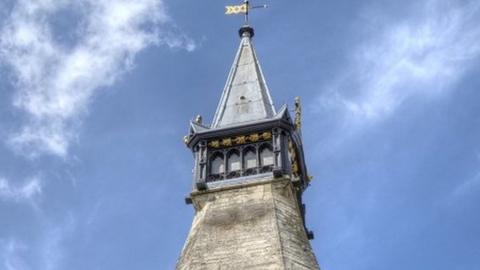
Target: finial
199,119
298,114
247,7
246,31
186,139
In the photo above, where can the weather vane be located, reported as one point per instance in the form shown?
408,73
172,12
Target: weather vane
242,9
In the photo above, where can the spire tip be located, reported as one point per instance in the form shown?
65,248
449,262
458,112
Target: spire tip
246,31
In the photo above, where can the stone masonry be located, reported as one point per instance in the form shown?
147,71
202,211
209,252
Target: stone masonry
250,226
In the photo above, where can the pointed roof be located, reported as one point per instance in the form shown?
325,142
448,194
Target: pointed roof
245,97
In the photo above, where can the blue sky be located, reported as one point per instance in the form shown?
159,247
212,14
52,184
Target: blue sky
95,97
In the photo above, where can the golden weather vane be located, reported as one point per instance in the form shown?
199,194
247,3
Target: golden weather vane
242,9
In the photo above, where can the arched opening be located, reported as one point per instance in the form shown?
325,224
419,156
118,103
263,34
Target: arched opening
249,158
266,157
233,162
250,163
217,166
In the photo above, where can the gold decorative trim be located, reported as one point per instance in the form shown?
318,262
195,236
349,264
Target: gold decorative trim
239,140
266,135
254,137
227,142
214,144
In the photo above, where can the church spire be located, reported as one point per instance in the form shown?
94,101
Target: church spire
246,97
248,178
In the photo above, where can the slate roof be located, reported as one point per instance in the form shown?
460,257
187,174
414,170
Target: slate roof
245,97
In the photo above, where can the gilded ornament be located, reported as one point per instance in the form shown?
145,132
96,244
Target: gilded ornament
240,140
254,138
267,135
293,157
295,167
214,144
291,150
186,139
227,142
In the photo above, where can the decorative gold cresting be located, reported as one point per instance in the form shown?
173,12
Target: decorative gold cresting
266,135
214,144
298,114
227,142
239,140
254,137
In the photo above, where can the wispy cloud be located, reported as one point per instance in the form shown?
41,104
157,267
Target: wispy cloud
470,185
45,252
420,56
56,75
26,192
52,247
10,255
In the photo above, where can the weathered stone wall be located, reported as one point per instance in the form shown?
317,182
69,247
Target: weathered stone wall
247,227
296,248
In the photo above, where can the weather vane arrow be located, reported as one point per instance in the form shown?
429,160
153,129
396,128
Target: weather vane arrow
242,9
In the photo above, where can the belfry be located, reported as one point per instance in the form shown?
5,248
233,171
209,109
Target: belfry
248,179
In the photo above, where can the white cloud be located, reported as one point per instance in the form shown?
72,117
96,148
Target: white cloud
420,56
55,80
27,192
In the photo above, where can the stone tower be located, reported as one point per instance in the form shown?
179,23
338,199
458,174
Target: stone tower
249,177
